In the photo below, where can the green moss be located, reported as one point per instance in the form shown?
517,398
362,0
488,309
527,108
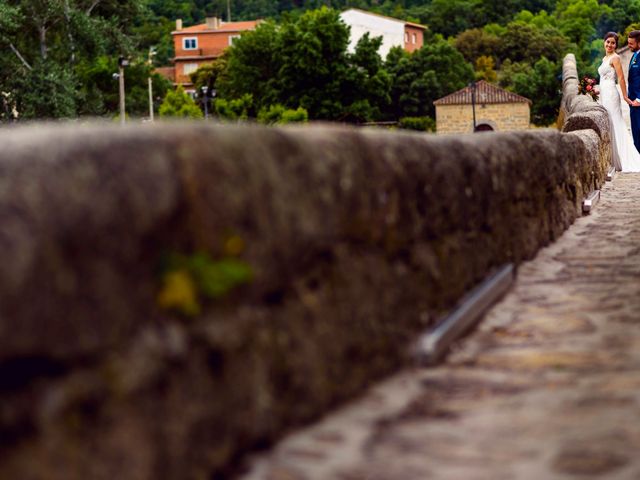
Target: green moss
187,279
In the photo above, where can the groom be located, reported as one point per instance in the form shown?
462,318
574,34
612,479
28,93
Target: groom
634,85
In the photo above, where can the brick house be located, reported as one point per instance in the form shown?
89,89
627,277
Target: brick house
201,44
495,109
394,32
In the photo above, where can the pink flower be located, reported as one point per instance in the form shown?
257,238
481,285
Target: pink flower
589,88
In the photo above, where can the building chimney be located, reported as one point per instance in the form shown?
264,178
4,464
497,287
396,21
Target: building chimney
213,22
179,24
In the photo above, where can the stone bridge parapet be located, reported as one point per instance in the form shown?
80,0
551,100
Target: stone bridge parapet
356,240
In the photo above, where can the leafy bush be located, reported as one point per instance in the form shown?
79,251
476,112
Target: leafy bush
279,114
423,124
237,109
178,104
298,115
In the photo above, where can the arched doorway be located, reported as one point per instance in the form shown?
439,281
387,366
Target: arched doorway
483,127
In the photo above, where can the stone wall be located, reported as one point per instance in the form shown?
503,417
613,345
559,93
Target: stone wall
357,240
504,116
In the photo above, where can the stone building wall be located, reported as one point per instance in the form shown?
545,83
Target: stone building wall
459,118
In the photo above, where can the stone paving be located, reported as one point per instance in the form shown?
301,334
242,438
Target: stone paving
547,387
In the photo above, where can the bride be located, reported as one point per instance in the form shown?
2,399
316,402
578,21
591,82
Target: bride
625,155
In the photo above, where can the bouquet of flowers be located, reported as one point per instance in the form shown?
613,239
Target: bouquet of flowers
588,87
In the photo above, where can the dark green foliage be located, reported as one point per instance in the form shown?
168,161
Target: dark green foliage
99,92
304,63
422,124
46,91
313,65
539,83
253,66
419,79
51,47
525,42
477,42
236,109
59,55
178,104
279,114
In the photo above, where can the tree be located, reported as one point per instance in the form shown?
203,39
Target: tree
45,91
304,63
476,43
425,75
178,104
208,73
485,69
367,84
450,17
577,18
525,42
99,94
46,40
313,64
539,83
622,14
252,66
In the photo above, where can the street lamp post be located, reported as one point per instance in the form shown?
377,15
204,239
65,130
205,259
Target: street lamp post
205,100
152,52
472,85
122,62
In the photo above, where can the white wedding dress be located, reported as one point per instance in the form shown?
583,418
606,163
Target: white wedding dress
625,155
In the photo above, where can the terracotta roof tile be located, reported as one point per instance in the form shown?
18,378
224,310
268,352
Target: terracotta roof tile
224,27
485,93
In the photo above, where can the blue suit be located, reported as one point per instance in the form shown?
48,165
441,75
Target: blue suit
634,93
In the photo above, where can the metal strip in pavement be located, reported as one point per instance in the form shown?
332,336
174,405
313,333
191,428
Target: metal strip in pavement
433,345
610,174
591,201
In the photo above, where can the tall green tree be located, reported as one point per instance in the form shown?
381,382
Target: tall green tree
527,42
252,66
304,63
425,75
98,90
539,83
44,42
178,104
577,19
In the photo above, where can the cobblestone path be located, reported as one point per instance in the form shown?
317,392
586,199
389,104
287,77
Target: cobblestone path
548,387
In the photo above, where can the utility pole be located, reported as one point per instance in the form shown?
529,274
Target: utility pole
122,62
228,11
473,103
152,52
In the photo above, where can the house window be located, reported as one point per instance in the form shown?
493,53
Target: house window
406,37
189,68
413,38
233,38
190,43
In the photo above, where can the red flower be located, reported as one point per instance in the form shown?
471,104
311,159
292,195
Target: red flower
587,86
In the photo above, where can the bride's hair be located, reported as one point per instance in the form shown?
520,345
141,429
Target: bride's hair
613,35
